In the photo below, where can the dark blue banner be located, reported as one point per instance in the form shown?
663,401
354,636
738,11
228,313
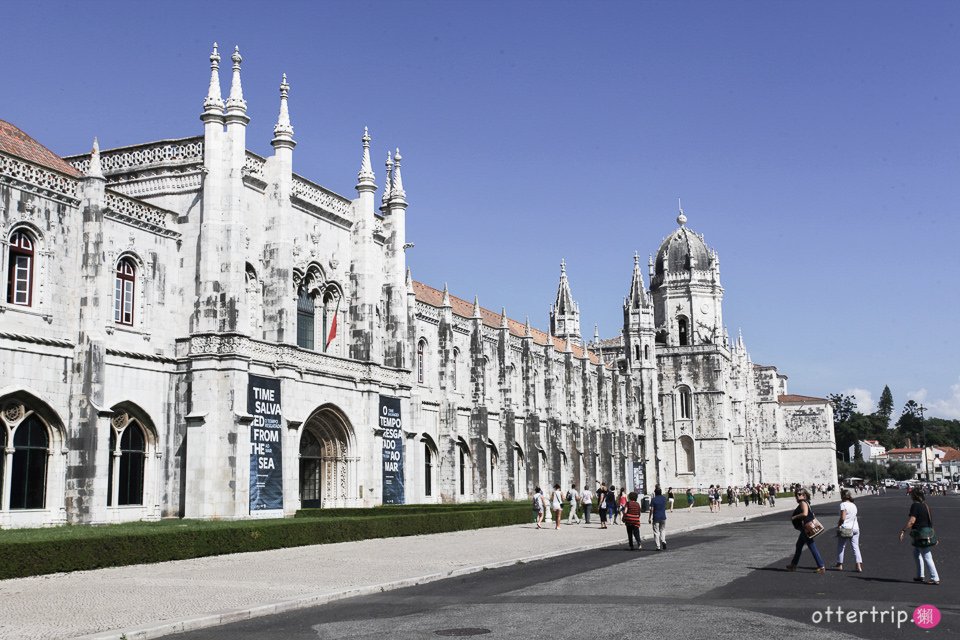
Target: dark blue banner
266,471
392,426
638,483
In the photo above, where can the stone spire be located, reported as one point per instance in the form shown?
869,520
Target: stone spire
213,103
236,103
504,324
397,194
638,296
549,338
445,302
564,303
565,313
365,177
476,308
385,198
527,332
409,282
596,334
95,170
283,131
681,219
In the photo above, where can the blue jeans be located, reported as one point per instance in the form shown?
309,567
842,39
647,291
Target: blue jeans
924,555
804,540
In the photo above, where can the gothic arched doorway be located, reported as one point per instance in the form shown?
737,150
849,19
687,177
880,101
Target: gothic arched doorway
327,463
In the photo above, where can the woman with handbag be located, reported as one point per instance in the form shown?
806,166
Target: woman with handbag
920,524
805,521
848,530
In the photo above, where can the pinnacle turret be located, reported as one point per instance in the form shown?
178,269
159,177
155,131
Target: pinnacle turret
397,195
283,131
365,177
476,308
565,313
527,331
504,324
95,170
385,198
445,302
235,103
213,103
638,295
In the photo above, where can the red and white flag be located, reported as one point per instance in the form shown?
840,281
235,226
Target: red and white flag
333,327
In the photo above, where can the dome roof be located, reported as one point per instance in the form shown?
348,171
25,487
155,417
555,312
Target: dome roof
682,250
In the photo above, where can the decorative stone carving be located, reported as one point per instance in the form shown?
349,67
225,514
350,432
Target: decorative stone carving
13,412
162,153
320,197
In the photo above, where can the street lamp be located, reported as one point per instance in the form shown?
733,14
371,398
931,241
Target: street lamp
923,425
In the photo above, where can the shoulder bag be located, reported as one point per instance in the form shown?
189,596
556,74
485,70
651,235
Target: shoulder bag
925,536
812,528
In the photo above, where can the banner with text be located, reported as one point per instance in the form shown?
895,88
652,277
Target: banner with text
638,485
266,472
392,427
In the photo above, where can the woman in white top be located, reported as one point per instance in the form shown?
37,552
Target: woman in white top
848,530
556,504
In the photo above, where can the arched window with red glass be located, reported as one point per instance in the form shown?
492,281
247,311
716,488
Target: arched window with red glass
123,291
20,269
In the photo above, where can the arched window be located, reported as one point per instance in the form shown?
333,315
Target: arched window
494,461
484,375
421,355
683,330
123,291
536,389
636,351
28,478
305,319
686,404
685,458
427,470
646,352
455,364
129,457
20,269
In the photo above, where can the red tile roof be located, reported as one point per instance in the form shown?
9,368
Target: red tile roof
792,398
15,142
949,454
903,451
434,297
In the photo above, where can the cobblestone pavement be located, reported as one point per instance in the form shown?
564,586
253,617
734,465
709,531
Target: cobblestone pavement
144,601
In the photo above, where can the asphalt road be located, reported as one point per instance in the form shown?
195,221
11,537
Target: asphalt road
723,582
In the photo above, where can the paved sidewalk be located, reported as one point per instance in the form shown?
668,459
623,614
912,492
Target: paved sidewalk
152,600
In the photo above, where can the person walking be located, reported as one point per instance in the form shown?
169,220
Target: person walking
573,497
801,516
621,504
631,518
670,498
556,504
658,518
920,525
586,501
602,505
690,499
612,505
848,530
538,506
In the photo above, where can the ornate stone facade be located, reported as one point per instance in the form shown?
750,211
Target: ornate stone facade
145,285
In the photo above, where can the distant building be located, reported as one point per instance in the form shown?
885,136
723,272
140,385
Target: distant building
869,449
925,461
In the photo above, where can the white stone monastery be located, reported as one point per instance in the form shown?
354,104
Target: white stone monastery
190,329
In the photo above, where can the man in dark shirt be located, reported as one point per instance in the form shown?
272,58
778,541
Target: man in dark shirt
658,516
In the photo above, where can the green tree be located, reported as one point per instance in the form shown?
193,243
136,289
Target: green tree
843,407
910,424
901,471
885,406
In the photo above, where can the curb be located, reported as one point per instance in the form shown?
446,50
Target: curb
205,621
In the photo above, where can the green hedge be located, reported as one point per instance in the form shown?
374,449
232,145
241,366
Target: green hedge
404,509
98,547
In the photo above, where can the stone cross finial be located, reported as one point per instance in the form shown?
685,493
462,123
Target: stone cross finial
213,102
681,219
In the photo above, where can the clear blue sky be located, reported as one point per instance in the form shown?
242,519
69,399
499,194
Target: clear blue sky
814,144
